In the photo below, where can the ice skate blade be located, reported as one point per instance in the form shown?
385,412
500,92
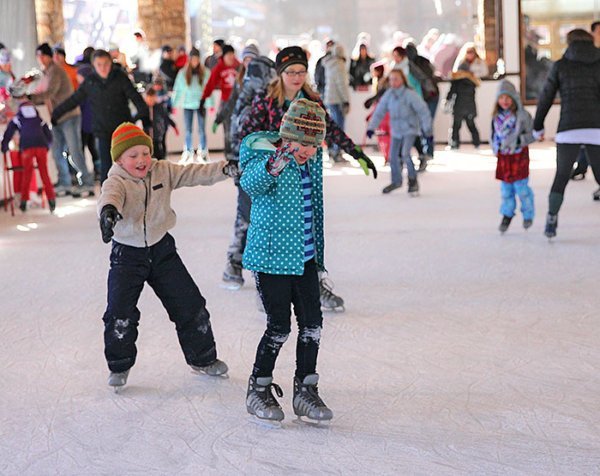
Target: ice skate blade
231,286
270,424
201,373
338,309
304,420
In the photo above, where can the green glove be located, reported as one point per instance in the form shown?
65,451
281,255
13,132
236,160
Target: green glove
214,127
364,161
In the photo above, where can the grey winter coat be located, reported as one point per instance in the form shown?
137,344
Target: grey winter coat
336,78
409,114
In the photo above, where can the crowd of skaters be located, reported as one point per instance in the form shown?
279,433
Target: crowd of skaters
276,118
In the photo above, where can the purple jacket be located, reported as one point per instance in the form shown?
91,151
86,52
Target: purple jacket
32,130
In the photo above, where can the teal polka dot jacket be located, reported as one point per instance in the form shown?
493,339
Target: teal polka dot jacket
276,234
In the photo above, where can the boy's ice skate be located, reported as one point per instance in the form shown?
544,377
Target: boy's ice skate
504,224
232,276
551,224
217,369
307,403
260,401
329,300
118,380
413,187
527,223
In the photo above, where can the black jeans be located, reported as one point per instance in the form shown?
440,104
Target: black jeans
162,268
457,122
103,148
278,293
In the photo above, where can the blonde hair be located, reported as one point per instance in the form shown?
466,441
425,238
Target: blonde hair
276,91
460,58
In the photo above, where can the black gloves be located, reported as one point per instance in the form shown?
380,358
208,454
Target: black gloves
109,216
232,169
364,161
202,109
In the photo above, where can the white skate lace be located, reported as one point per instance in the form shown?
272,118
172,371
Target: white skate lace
269,400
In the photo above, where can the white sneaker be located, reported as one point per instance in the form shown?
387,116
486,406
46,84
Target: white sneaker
187,156
201,156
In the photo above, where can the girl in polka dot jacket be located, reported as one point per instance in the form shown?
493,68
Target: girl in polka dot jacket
282,172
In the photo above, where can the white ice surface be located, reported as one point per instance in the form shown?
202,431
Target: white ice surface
461,351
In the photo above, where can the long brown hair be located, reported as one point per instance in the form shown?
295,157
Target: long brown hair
190,71
276,91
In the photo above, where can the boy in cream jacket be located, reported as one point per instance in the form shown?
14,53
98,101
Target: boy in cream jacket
135,212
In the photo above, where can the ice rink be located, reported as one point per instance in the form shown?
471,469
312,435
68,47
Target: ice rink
461,351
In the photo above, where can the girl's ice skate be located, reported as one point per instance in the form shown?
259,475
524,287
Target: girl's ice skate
117,380
260,401
187,157
232,276
308,406
330,301
217,369
504,224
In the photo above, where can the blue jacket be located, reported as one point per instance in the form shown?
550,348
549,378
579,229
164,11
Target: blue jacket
409,114
276,234
33,132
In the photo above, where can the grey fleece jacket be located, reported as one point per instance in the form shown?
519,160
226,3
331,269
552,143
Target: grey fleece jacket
146,203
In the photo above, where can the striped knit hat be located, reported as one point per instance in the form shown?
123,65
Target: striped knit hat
125,136
304,122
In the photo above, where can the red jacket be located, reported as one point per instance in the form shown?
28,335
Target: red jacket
221,77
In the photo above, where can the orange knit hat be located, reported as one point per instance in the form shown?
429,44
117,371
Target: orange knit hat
125,136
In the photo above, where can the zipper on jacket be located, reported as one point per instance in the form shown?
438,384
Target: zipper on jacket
145,213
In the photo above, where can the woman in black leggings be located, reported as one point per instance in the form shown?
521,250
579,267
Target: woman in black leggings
575,76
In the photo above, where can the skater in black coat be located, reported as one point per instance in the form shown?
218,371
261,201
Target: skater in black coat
576,77
109,91
462,95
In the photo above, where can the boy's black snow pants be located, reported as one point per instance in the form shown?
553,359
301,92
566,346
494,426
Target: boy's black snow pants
278,293
162,268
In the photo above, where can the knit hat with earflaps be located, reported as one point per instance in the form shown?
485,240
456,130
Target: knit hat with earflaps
125,136
304,122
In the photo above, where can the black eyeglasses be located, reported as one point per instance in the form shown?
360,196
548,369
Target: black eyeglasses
295,73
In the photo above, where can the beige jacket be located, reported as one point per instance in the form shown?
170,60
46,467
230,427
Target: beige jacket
146,203
59,88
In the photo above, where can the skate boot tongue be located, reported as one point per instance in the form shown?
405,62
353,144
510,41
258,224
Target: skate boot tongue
264,381
311,379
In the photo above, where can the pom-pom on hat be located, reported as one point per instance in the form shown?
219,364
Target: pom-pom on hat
304,122
125,136
289,56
